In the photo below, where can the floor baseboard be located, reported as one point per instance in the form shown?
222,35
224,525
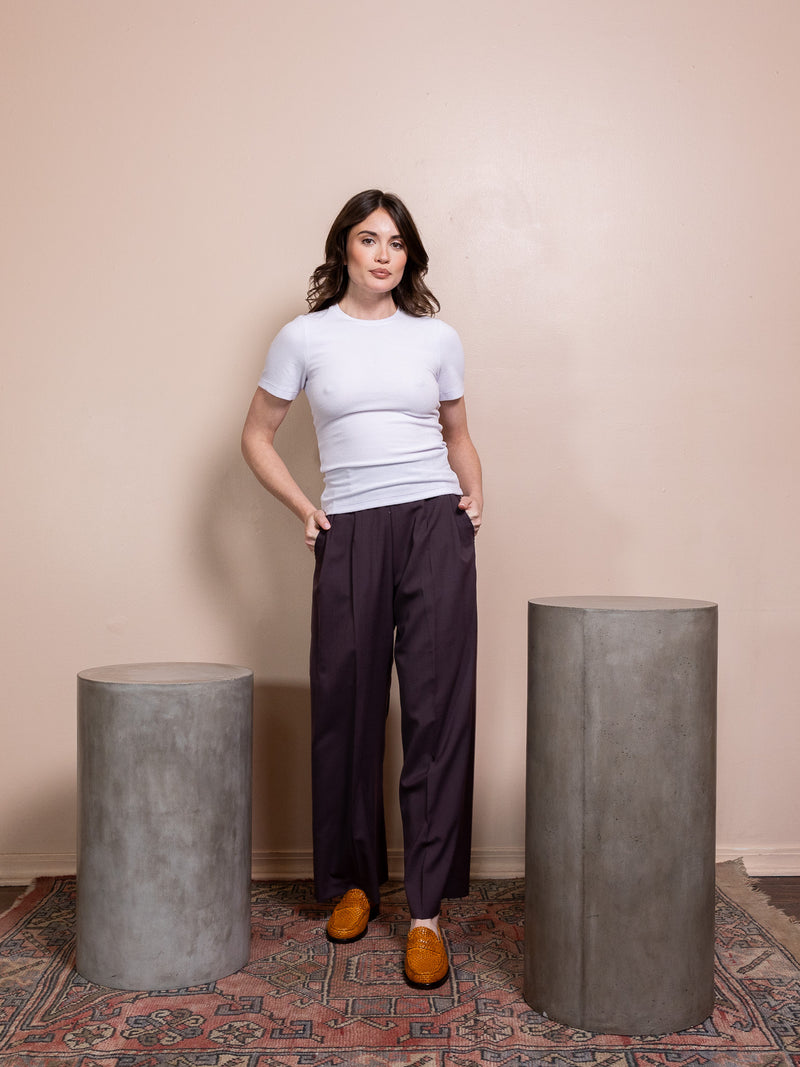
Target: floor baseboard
22,868
765,862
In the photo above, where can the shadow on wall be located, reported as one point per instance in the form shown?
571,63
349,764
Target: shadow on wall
281,768
256,574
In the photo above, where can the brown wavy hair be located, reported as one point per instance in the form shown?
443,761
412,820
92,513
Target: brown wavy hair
328,283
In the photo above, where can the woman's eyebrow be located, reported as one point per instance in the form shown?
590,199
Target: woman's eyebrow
372,233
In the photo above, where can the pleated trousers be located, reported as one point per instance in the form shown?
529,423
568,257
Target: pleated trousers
396,581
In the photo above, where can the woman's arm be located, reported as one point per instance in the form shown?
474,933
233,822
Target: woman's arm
266,414
463,457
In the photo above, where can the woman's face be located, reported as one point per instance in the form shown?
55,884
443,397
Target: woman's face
376,254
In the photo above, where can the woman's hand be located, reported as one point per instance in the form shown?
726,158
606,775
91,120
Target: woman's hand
315,522
474,509
463,458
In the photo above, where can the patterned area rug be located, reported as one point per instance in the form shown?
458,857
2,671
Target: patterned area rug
302,1002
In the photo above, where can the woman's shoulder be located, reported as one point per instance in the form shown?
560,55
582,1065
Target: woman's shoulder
314,320
297,329
290,340
445,337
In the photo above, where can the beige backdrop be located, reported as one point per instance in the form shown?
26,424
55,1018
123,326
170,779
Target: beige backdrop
609,193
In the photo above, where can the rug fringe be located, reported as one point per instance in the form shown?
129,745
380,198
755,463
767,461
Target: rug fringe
733,879
23,892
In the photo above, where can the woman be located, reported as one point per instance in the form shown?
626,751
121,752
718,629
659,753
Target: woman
395,567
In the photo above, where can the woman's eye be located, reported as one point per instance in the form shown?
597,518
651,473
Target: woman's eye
398,245
367,241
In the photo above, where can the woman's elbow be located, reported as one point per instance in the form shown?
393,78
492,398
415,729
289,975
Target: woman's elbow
248,442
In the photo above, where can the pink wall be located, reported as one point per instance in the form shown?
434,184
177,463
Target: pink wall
609,195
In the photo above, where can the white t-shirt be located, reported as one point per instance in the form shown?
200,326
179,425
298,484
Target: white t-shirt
374,387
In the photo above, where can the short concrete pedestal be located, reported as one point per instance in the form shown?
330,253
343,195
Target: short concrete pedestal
164,820
619,920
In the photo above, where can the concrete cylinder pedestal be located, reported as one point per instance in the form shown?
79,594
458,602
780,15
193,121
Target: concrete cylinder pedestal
620,812
164,823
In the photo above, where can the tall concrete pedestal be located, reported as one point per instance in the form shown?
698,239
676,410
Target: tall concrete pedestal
619,919
164,820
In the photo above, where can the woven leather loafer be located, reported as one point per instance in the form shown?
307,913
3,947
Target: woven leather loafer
426,959
350,917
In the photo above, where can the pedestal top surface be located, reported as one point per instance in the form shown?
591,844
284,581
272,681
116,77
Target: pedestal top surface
164,673
622,603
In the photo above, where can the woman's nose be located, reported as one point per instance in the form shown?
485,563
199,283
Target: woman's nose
382,254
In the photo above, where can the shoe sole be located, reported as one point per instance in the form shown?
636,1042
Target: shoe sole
374,911
427,985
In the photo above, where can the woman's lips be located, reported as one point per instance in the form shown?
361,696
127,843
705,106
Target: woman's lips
380,273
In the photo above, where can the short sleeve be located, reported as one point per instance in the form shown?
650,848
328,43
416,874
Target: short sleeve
284,372
451,368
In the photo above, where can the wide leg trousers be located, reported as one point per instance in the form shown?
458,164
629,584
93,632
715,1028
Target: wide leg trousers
397,580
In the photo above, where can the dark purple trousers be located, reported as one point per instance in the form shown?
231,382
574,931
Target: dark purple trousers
397,580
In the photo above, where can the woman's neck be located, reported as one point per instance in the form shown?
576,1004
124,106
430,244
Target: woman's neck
357,307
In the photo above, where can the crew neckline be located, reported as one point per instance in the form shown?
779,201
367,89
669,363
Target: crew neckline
373,322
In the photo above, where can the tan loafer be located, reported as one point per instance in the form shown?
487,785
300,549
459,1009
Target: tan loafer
350,917
426,959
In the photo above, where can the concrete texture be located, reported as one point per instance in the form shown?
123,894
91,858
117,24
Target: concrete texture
620,807
164,823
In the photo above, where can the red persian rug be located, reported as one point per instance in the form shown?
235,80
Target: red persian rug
302,1002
